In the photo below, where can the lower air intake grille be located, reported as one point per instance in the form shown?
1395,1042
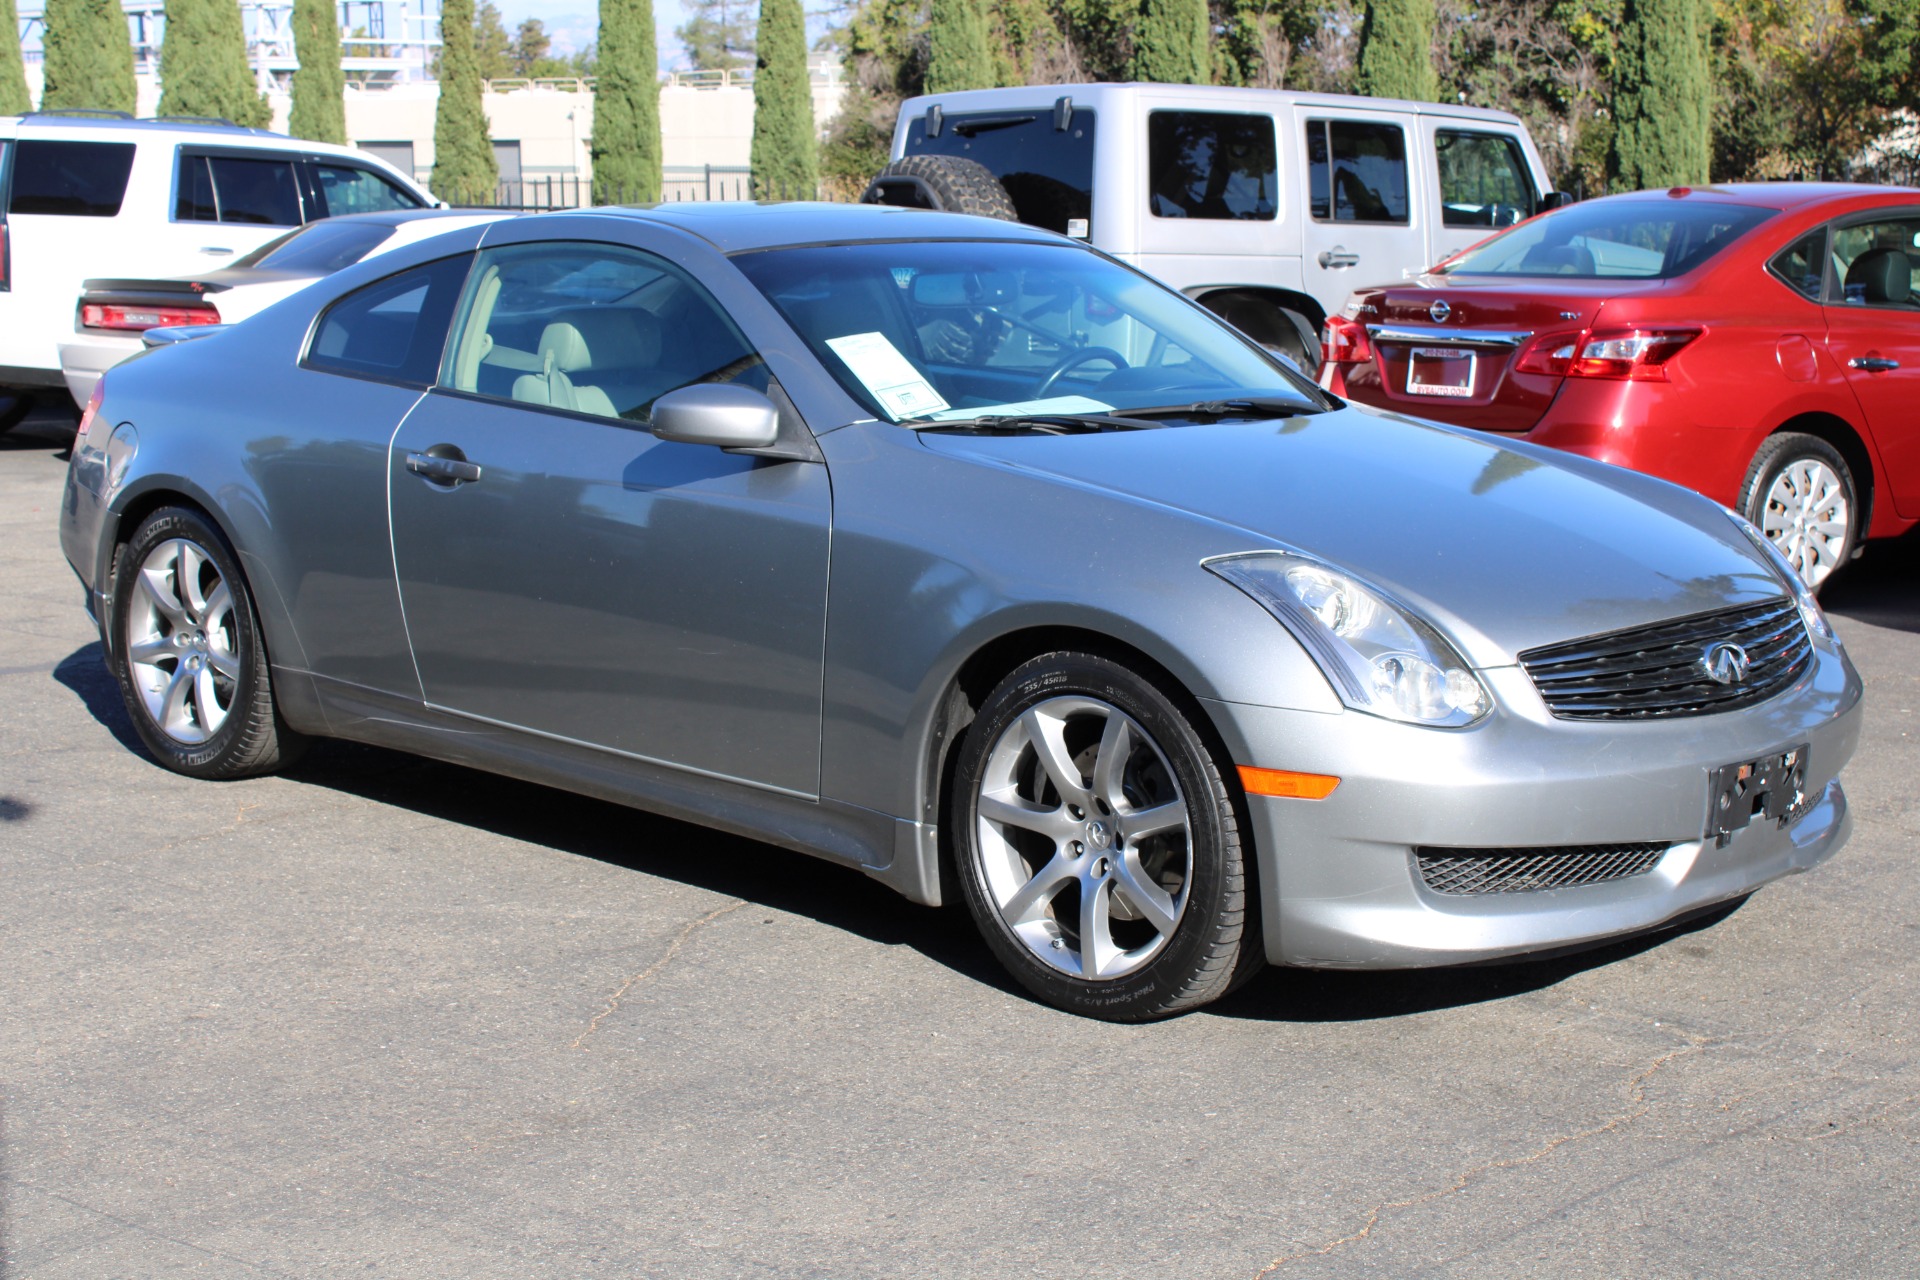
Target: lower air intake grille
1668,669
1472,871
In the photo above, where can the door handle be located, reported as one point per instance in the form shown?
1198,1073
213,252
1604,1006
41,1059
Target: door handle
1873,364
1338,257
442,470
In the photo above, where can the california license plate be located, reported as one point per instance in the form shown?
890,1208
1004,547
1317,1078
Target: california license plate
1440,371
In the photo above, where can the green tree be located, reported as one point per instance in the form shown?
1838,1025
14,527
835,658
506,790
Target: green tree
719,34
1396,51
626,105
1170,42
784,155
14,97
958,53
1662,96
464,171
530,45
88,56
203,64
319,86
492,46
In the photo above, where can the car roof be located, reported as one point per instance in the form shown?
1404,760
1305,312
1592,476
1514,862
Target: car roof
1216,97
182,124
399,217
1775,195
741,226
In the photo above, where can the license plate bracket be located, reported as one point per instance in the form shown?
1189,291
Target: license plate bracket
1440,371
1772,787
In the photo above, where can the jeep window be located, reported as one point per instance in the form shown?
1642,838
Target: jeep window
1483,179
77,179
1356,171
1207,164
1048,172
262,191
347,188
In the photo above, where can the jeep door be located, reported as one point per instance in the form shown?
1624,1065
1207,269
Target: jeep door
1363,225
1479,179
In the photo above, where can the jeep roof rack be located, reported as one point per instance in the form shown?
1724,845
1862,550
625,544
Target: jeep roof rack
84,113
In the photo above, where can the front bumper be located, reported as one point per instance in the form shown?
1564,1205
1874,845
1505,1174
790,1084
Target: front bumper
1338,878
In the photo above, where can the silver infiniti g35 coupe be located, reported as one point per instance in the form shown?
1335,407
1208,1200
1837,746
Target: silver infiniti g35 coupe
965,555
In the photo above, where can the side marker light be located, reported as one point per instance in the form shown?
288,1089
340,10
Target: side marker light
1287,783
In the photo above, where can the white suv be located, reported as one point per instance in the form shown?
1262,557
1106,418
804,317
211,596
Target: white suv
106,195
1267,206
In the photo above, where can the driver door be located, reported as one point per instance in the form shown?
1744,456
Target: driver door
564,571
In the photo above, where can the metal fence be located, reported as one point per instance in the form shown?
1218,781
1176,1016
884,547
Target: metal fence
708,182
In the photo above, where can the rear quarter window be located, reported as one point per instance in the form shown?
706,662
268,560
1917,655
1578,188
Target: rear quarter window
1211,164
71,179
392,330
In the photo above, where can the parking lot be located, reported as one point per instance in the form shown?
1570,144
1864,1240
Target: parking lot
383,1016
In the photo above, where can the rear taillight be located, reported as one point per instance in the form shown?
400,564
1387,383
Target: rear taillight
1632,355
107,315
1344,341
91,412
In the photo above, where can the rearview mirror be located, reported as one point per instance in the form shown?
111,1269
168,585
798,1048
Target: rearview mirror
719,414
964,288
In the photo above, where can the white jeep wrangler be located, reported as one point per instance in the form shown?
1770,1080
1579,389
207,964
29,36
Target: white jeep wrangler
1268,207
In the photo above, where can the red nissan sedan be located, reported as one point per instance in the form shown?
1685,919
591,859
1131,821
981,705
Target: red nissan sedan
1758,343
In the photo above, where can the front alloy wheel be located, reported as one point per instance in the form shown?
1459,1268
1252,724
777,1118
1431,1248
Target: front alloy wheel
1100,851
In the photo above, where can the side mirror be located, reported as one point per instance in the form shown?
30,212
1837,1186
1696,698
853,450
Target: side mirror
719,414
1557,200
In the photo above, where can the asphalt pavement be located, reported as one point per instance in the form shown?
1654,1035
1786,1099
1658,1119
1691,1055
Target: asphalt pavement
387,1017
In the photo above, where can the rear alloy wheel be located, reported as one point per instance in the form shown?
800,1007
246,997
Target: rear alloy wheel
1099,850
1800,492
187,652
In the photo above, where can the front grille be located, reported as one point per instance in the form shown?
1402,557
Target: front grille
1647,673
1473,871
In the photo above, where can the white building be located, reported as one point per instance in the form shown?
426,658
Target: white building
540,128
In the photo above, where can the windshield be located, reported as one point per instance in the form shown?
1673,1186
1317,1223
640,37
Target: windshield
1654,239
946,330
321,247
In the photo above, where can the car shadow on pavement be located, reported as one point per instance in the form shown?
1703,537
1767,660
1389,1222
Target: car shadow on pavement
85,672
1882,587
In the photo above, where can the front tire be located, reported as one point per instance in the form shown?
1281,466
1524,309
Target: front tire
1098,847
1801,494
188,656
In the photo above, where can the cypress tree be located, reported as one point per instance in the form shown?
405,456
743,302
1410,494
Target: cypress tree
464,171
1396,51
14,97
1170,42
1662,96
88,56
203,64
785,157
959,54
319,86
626,105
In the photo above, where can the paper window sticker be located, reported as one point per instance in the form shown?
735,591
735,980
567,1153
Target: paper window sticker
901,389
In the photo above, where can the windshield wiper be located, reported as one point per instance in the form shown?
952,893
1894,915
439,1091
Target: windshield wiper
1236,407
1059,424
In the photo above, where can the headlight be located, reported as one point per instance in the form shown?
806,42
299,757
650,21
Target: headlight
1380,656
1810,611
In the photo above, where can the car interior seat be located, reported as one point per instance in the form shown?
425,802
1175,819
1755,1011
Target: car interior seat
1559,260
594,359
1882,276
563,351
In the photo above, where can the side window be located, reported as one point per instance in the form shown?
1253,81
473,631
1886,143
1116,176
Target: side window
1801,266
1356,171
346,188
592,328
1203,164
259,191
394,329
76,179
1876,262
1483,179
193,192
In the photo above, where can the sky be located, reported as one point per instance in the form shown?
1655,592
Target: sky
572,24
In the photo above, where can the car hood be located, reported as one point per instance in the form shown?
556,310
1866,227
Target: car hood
1504,547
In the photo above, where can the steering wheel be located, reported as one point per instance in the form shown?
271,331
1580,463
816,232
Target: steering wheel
1073,360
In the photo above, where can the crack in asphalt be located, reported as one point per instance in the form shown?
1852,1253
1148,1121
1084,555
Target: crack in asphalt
1639,1106
673,949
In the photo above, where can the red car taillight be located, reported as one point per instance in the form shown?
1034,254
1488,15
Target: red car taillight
1633,355
107,315
1343,341
91,412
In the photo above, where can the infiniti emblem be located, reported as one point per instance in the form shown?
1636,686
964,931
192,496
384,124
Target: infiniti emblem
1726,663
1098,836
1440,311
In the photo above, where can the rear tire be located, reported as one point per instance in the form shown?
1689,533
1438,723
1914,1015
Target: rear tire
188,656
1098,848
1801,493
950,183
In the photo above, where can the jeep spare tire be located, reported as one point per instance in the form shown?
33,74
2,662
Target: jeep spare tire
949,183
